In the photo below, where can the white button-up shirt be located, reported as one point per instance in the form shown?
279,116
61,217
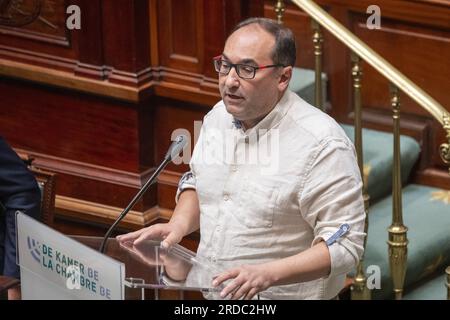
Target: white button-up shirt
275,190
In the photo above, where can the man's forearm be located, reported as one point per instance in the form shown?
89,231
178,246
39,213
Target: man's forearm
187,212
311,264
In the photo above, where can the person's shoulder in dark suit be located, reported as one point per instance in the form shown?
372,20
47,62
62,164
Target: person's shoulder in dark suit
18,187
18,191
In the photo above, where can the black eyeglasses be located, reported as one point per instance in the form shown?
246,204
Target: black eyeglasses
244,71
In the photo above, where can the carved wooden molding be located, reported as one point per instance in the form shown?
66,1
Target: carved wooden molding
82,210
169,178
86,170
190,87
67,80
40,20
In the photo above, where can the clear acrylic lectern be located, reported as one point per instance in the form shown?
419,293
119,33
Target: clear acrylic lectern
55,266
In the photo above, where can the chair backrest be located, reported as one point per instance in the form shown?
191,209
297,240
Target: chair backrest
47,183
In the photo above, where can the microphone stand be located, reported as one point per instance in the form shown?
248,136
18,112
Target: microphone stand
136,198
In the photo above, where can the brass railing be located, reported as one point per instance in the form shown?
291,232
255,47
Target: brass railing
317,41
359,290
373,58
397,242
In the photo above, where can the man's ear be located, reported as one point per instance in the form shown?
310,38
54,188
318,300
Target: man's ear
285,77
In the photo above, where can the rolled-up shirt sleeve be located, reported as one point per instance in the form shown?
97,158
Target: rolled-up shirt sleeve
187,181
331,196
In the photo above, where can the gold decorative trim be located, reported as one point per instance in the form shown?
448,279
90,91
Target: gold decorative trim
398,241
318,49
366,173
444,149
279,10
356,83
359,290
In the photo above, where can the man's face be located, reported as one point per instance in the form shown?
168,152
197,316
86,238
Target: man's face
249,100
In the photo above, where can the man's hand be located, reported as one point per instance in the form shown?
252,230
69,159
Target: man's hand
168,232
247,281
185,219
175,268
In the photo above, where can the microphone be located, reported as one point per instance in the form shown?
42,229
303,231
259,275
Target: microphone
176,147
174,150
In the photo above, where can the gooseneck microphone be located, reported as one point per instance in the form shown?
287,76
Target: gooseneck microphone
174,150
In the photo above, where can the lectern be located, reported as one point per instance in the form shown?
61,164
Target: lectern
55,266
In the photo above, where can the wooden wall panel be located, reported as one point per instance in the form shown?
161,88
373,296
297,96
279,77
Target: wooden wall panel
190,34
35,31
186,27
91,53
214,38
112,46
131,49
171,116
102,150
420,53
88,130
181,34
126,34
38,20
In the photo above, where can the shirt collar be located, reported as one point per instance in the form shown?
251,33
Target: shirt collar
237,123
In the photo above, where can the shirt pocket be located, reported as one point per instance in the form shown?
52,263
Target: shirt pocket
209,183
257,204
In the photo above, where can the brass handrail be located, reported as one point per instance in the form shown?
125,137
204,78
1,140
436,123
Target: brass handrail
373,58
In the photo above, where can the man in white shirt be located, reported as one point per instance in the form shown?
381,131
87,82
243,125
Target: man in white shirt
274,185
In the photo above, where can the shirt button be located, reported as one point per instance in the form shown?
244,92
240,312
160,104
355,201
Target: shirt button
246,139
226,197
